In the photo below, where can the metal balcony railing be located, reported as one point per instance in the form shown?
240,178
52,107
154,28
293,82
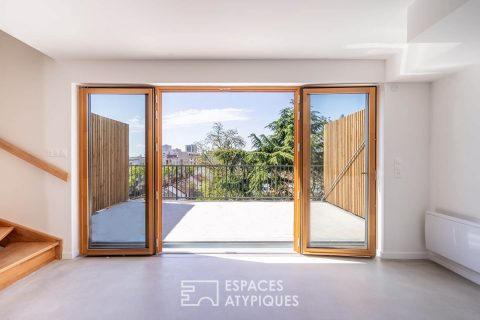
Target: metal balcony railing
136,181
224,182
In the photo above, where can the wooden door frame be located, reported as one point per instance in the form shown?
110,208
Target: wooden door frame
370,250
297,154
154,158
83,133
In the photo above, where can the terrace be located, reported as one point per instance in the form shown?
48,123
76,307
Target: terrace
218,203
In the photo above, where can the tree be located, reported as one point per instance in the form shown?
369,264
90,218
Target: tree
222,146
278,148
317,125
268,169
220,138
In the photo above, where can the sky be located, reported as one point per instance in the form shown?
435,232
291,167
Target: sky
333,106
189,116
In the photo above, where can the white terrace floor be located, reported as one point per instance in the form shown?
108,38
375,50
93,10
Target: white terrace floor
226,221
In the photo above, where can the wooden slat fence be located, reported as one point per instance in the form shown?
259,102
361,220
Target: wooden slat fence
344,163
109,162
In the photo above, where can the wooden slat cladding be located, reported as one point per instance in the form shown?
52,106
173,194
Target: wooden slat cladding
109,162
344,163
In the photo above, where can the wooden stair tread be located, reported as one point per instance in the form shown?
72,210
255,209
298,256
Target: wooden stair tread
5,231
18,252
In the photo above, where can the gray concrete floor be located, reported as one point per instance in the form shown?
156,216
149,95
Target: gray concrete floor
327,288
228,221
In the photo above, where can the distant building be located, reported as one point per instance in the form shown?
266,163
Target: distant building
179,157
166,148
192,148
136,161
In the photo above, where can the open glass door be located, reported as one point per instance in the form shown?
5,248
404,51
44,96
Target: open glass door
338,171
116,171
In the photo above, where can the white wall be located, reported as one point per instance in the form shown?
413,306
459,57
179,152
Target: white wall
66,73
455,149
40,93
404,136
28,119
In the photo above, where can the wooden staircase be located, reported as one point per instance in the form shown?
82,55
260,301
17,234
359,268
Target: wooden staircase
24,250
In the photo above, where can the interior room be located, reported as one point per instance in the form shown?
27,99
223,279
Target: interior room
214,159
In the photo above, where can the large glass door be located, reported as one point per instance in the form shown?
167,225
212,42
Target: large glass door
338,161
116,142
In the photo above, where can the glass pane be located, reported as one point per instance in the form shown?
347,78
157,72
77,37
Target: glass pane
338,179
117,140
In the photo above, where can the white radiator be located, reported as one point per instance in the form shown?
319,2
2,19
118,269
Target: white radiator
456,239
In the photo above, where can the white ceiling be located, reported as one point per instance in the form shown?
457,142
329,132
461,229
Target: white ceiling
208,29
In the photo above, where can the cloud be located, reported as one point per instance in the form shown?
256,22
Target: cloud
136,124
192,117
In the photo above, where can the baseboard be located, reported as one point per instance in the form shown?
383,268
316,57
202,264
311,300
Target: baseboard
403,255
455,267
69,255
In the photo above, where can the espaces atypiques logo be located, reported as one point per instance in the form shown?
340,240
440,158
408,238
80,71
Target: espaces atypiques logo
237,293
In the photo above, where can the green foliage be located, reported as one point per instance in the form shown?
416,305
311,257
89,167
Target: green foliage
135,175
267,170
278,148
230,157
219,138
222,146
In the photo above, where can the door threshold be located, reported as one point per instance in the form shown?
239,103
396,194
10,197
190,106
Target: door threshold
228,247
